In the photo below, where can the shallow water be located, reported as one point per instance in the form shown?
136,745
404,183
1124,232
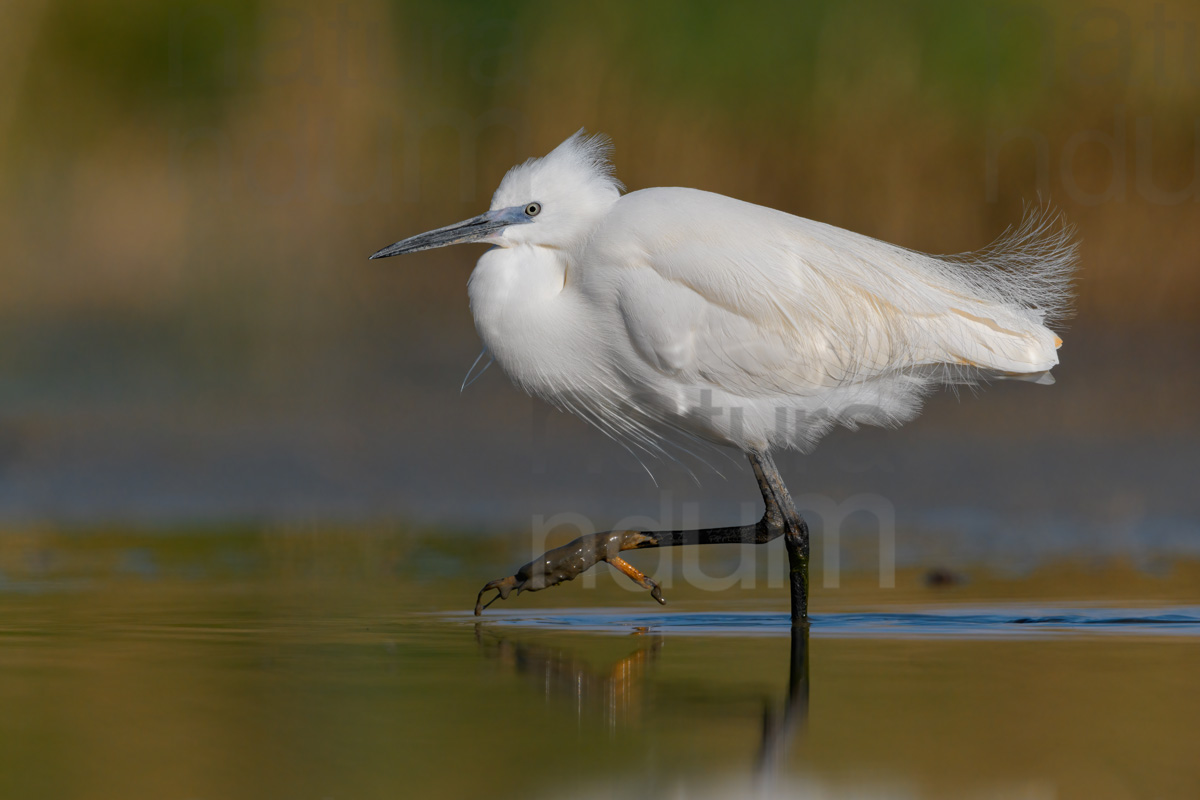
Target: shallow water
1011,622
333,664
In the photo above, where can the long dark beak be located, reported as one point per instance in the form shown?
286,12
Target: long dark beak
471,230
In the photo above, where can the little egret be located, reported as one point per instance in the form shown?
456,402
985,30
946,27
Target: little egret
678,310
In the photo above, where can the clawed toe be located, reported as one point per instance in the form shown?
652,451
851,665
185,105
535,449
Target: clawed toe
565,563
503,587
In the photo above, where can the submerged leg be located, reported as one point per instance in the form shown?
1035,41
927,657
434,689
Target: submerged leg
779,519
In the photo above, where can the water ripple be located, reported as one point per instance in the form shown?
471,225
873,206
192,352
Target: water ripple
988,623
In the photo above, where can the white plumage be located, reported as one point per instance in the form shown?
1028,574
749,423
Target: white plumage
743,325
679,310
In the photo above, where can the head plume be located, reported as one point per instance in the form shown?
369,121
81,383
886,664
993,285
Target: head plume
581,164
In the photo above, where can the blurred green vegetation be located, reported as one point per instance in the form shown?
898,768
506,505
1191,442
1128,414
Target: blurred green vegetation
188,191
147,143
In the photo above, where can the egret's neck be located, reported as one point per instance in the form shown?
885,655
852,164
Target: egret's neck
528,316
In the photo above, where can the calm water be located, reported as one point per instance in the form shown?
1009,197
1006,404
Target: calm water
335,664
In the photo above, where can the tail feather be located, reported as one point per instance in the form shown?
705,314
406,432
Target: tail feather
1032,265
986,311
1012,290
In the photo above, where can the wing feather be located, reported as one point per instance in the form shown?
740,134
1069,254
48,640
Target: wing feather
759,302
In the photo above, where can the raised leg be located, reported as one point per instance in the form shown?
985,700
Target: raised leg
779,519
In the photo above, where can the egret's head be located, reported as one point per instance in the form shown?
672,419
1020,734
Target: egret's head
552,201
568,189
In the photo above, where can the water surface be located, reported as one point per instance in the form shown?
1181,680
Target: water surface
334,664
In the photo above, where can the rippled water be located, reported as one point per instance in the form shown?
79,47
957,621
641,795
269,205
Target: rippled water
331,664
1012,622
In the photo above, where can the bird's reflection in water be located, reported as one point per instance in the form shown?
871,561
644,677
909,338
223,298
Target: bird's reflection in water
613,692
780,727
616,693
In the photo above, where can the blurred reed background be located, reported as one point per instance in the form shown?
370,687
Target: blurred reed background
191,331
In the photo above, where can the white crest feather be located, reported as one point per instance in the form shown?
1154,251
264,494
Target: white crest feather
581,164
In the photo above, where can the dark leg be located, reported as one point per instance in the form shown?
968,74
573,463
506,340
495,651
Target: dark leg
779,519
795,532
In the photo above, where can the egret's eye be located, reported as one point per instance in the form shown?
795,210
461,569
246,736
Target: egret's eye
533,209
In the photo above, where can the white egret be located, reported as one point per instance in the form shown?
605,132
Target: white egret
680,310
